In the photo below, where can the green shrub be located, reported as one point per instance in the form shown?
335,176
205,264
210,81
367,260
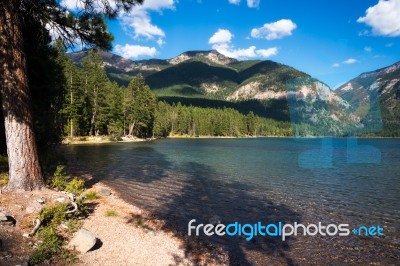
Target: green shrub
76,186
82,208
50,248
91,195
110,213
50,245
59,179
53,215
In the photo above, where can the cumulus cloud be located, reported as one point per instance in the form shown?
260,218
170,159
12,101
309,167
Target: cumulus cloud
234,2
350,61
221,41
134,51
383,18
267,52
253,3
141,26
138,22
221,36
274,30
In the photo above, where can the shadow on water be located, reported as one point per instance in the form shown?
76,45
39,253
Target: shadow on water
209,200
142,164
178,193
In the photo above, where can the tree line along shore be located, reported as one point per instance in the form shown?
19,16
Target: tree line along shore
94,106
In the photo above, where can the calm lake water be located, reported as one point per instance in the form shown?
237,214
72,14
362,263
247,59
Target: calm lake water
267,180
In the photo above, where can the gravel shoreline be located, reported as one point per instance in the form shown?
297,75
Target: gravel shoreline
126,239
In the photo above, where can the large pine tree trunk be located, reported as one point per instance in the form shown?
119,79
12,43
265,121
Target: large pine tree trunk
25,172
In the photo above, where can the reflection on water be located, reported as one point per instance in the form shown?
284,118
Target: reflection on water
250,180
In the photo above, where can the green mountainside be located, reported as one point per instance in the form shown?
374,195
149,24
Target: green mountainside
208,79
202,74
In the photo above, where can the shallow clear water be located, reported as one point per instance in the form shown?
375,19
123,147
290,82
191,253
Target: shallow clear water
266,179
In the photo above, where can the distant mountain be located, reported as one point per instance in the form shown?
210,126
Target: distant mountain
120,69
204,74
376,93
208,79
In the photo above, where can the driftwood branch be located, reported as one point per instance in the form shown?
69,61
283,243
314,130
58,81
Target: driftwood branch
73,210
36,225
37,222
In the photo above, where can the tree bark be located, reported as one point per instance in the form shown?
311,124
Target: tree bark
24,167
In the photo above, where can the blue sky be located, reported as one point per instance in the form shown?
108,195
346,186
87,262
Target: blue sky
333,41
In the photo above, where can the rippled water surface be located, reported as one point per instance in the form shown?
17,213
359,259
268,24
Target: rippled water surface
264,179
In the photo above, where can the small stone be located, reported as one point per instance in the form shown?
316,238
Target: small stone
61,199
358,248
26,235
3,217
104,192
30,210
41,201
82,241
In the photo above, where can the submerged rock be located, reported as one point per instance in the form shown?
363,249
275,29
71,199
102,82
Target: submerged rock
104,192
83,241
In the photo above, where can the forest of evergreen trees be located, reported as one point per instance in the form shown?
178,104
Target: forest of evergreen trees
93,105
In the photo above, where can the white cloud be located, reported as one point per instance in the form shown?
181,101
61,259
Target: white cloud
160,42
134,51
221,36
221,42
350,61
384,18
234,2
274,30
253,3
368,49
137,23
336,65
141,26
267,52
238,53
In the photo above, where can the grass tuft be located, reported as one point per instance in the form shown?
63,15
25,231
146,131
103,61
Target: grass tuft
111,213
91,195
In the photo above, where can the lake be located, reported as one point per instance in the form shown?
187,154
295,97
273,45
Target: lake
353,181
